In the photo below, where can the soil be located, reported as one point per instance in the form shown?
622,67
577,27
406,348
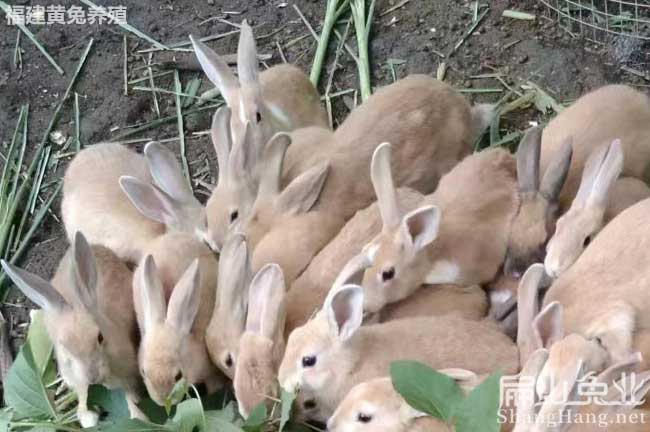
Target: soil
413,34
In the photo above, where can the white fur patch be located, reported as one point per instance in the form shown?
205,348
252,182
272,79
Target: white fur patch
442,271
279,117
500,296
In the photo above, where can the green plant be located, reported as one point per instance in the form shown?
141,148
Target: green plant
438,395
37,401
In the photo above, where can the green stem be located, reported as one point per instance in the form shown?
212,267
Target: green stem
331,14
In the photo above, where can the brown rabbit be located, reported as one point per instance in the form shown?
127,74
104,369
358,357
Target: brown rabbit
174,291
452,238
88,311
597,118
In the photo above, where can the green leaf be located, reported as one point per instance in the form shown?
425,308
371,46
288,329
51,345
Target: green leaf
287,399
39,342
5,419
24,390
154,412
112,402
256,418
176,395
479,411
189,416
425,389
292,426
133,425
221,422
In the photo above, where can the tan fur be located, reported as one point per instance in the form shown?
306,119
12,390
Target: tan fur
466,302
95,342
94,204
163,353
439,342
308,292
472,237
625,192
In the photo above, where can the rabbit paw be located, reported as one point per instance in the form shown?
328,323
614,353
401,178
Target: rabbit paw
88,418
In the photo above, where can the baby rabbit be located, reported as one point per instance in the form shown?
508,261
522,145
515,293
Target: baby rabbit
173,292
88,311
330,354
279,99
107,218
229,317
452,238
169,199
590,208
595,119
262,344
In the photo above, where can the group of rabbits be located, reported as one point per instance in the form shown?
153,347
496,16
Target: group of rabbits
323,256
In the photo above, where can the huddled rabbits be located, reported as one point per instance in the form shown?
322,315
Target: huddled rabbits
322,256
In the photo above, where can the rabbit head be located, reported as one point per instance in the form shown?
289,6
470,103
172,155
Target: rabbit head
234,194
229,318
81,335
584,219
309,361
273,204
534,222
262,344
170,200
166,328
398,250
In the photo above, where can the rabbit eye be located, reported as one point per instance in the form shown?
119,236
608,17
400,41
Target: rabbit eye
364,418
388,274
100,338
309,404
234,215
308,361
598,340
228,361
179,376
587,241
258,117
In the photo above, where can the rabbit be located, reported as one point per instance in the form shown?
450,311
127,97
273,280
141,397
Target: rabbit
321,198
88,312
107,218
262,344
451,238
229,317
597,118
174,292
279,99
375,406
330,354
168,199
589,210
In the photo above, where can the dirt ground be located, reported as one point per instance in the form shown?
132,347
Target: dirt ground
412,35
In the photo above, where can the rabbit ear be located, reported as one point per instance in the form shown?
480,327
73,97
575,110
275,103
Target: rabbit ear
562,392
632,389
185,299
241,160
345,311
528,160
382,180
85,272
220,134
149,200
234,273
352,272
524,403
420,226
547,326
600,172
153,297
274,154
557,171
36,289
614,372
303,192
247,55
527,309
217,71
167,173
266,302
